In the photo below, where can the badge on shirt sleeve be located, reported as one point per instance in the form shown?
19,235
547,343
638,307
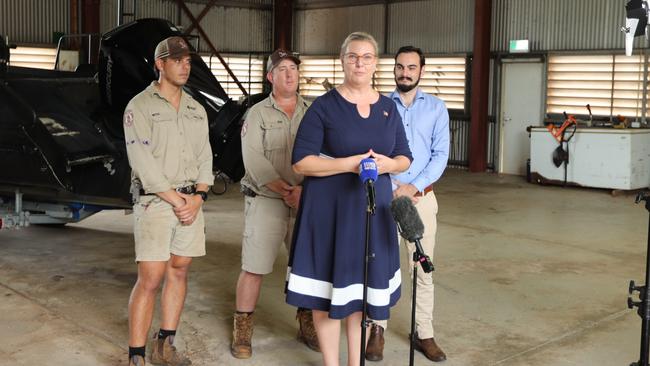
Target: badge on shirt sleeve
243,129
128,118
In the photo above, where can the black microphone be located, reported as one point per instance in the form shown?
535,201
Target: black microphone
411,228
368,174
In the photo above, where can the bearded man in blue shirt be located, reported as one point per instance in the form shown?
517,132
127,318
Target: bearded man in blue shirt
426,123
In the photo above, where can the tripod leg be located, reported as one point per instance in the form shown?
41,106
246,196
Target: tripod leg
566,162
645,304
413,300
364,306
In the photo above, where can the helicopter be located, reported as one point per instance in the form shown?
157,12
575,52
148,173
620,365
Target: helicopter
61,132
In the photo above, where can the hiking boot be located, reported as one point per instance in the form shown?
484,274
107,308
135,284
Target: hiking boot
375,347
430,349
306,331
136,360
242,333
164,353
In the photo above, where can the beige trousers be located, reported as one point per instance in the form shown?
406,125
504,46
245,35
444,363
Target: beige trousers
427,208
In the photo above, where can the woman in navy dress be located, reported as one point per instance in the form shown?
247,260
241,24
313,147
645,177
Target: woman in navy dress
342,127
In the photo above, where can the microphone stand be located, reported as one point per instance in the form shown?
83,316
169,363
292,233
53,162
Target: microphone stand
643,305
370,211
427,267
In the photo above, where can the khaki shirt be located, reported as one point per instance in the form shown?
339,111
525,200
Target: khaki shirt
167,148
267,143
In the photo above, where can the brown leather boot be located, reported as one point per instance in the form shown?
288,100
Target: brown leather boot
136,361
164,353
430,349
375,347
242,333
306,331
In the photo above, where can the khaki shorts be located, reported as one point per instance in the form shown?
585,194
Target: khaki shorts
158,233
268,222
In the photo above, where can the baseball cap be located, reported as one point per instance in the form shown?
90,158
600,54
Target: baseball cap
173,47
277,57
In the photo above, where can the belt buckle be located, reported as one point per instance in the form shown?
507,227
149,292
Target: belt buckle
185,189
247,191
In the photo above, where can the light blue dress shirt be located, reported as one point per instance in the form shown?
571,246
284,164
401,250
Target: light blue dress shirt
426,122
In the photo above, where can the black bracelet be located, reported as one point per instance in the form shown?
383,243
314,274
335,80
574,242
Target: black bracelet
203,194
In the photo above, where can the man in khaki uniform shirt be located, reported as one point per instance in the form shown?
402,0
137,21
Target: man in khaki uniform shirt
167,143
272,193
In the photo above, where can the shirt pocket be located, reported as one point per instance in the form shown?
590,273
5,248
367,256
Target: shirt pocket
163,126
194,128
274,135
193,117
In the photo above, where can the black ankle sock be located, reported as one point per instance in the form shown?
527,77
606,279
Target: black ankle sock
244,312
136,351
164,333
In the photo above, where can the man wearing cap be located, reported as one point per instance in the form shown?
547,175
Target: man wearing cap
272,193
166,134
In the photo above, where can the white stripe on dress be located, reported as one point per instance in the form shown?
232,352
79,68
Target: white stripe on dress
342,296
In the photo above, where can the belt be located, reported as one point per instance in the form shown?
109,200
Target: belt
185,190
427,189
247,191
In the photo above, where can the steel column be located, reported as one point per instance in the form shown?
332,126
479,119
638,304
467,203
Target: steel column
74,17
282,24
90,16
90,25
480,87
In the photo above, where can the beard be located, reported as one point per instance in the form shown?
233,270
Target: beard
405,88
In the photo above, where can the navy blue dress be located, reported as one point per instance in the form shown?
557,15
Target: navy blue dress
326,259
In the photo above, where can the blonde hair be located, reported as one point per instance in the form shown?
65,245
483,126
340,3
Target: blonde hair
359,36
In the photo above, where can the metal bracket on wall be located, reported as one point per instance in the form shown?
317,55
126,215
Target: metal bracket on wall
195,24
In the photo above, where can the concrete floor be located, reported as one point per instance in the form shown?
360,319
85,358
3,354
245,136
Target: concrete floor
526,275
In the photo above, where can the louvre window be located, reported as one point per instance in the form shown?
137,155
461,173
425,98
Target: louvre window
444,77
611,84
34,57
318,73
248,70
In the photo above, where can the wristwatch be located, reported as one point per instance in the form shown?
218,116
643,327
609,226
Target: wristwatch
203,194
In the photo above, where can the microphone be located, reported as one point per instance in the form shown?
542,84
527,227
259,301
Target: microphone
368,174
411,228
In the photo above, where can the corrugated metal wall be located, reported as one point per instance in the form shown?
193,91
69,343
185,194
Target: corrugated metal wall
235,29
229,29
321,31
558,24
436,26
34,21
441,26
145,9
446,26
